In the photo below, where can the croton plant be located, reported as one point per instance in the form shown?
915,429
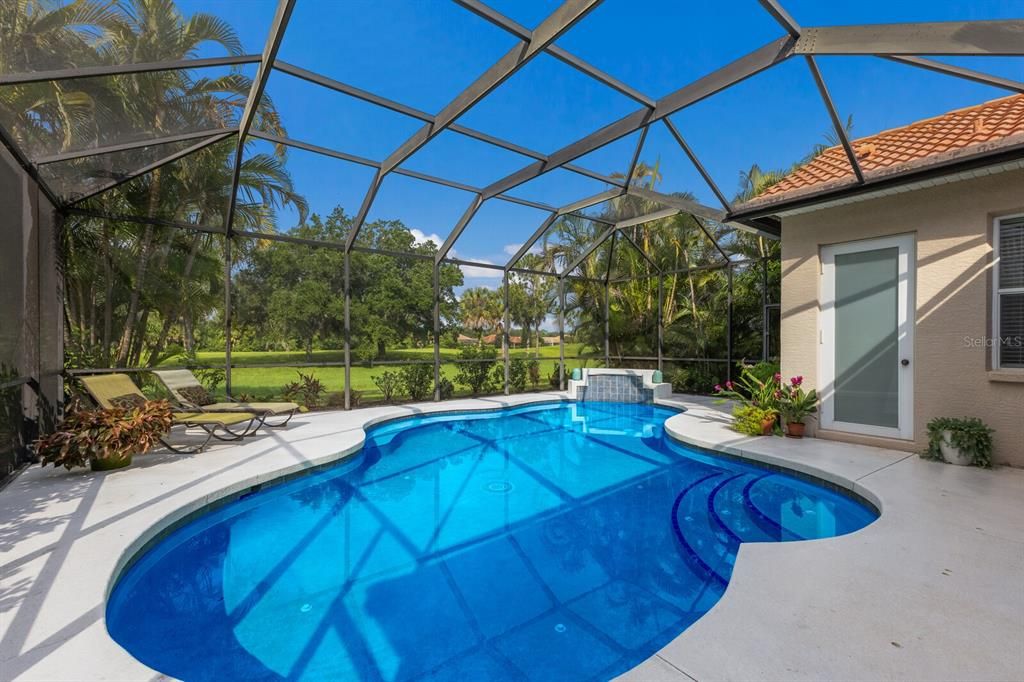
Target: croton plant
105,434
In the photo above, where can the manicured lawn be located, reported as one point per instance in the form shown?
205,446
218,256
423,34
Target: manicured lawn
266,382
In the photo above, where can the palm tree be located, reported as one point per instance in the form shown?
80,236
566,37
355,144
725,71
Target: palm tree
755,181
477,310
89,112
831,140
205,181
35,36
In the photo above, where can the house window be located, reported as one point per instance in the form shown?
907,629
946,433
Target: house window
1008,299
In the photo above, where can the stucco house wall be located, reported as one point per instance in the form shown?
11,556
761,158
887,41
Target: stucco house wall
952,226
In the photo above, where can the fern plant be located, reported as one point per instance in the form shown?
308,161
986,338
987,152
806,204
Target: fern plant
970,435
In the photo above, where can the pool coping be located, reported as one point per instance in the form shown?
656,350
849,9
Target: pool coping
72,533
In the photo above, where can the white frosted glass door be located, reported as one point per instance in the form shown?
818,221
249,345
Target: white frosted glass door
866,337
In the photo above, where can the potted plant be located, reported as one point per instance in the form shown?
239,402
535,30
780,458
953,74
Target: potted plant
753,392
963,441
753,421
796,405
105,438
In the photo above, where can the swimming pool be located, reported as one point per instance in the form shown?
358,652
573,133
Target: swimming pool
553,541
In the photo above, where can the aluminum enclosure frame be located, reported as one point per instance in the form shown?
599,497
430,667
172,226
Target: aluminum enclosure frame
907,44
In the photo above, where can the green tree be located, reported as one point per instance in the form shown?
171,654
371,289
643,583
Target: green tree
480,310
531,298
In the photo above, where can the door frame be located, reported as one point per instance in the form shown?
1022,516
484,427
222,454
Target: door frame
905,320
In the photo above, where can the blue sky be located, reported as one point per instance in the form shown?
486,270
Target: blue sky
423,52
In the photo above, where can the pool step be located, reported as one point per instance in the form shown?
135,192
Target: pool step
703,539
733,511
715,514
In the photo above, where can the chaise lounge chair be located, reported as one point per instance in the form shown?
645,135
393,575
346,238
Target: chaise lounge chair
118,390
192,395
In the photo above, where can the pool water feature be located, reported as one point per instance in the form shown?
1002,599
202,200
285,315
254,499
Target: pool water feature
553,541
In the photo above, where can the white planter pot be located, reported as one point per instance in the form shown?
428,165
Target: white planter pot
950,453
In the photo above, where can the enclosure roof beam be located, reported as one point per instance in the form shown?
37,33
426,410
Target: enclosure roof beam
714,242
528,244
732,73
528,271
467,216
696,163
683,271
144,220
611,256
568,209
351,91
560,21
780,15
639,220
639,250
412,112
678,203
124,69
500,20
837,123
171,158
648,218
252,103
587,251
29,169
636,156
524,202
461,261
696,209
968,38
370,163
598,198
961,72
126,146
276,237
315,148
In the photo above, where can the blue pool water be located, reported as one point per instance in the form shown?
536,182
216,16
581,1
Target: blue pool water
555,542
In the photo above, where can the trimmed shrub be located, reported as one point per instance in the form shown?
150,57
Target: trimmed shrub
388,384
517,373
417,381
477,375
533,369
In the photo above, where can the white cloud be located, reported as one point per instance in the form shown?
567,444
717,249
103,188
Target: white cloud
420,238
513,249
493,286
482,273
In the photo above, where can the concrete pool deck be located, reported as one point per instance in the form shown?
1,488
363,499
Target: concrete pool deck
934,589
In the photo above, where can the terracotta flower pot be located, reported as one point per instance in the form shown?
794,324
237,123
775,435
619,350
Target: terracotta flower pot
795,430
110,463
768,426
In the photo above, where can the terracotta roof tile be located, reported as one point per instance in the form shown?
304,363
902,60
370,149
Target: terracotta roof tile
996,123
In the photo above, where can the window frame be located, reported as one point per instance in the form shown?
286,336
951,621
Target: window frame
997,294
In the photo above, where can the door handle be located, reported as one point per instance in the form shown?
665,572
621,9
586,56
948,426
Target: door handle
904,362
